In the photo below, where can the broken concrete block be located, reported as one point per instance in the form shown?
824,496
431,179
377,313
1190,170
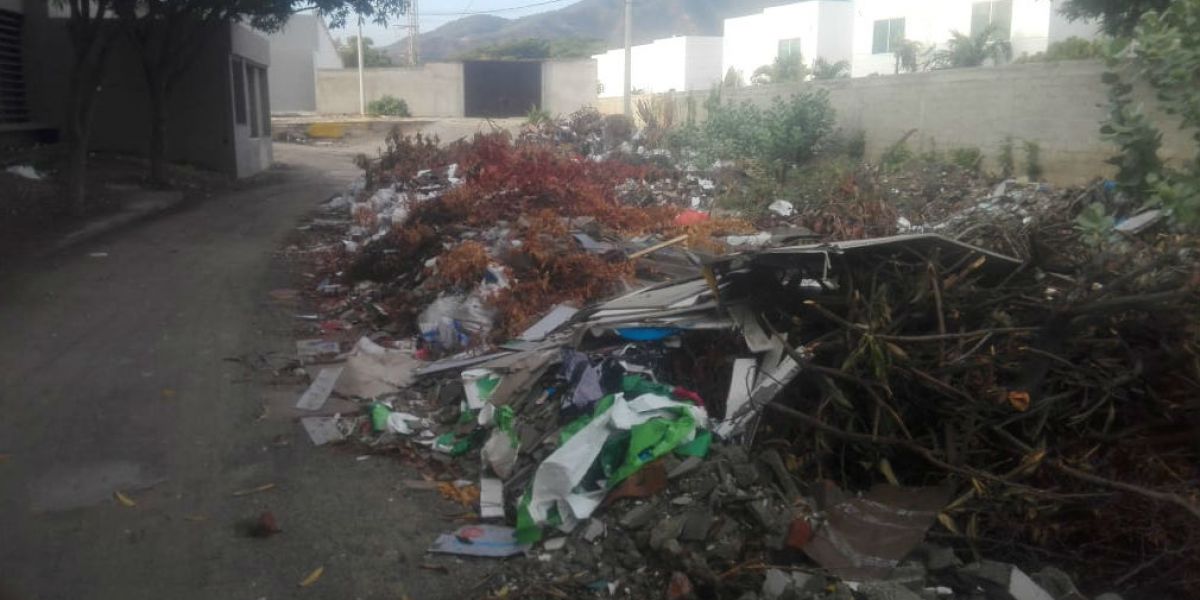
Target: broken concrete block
697,523
689,464
1058,584
775,584
887,590
667,529
639,516
1006,579
595,529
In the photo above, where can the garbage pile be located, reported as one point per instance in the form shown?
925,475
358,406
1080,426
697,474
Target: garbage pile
641,406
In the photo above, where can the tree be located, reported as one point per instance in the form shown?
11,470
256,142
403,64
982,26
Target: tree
91,41
733,79
823,69
372,56
973,50
1118,17
535,48
1072,48
908,56
787,67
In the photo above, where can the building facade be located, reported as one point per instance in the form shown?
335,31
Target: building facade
879,25
815,29
684,63
218,114
298,50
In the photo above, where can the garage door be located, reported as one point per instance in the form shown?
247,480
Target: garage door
501,88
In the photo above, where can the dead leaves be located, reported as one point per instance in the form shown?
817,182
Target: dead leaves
312,577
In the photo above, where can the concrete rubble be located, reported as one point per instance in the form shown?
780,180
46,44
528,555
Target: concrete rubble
656,411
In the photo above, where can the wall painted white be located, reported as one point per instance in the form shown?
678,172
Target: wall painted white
297,51
1035,25
684,63
824,28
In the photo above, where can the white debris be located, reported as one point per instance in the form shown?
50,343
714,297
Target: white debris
782,208
26,171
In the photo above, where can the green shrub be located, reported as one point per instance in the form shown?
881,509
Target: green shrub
1033,161
389,106
791,132
970,159
537,116
1007,158
897,155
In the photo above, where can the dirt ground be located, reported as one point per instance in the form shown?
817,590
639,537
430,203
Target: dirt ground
139,363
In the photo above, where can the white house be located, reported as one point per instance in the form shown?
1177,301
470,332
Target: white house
814,29
684,63
1031,26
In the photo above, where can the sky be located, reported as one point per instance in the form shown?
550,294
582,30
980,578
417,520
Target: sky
435,13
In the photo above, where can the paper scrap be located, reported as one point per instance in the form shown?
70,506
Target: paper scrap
318,347
480,540
491,498
318,392
322,430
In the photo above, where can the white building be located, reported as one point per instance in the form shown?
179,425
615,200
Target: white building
1031,26
681,64
303,46
814,29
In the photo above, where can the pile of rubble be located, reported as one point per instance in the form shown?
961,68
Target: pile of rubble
639,401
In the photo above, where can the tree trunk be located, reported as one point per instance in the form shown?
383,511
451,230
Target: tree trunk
158,131
78,135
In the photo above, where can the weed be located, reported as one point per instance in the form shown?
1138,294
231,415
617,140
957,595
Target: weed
897,155
1007,158
389,106
1033,161
970,159
538,116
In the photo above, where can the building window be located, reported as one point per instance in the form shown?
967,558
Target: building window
12,77
996,14
239,91
252,85
264,101
888,35
789,48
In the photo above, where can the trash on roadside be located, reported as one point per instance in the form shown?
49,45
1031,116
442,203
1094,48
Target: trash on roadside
492,541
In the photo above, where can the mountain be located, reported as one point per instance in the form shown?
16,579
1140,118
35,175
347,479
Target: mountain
588,19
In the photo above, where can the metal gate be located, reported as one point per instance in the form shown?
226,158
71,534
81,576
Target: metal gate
501,88
12,79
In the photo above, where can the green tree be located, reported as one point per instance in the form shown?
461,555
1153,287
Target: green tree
535,48
908,56
372,56
823,69
963,50
1072,48
733,79
786,68
1118,17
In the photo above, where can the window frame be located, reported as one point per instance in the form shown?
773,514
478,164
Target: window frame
789,47
992,6
237,73
891,38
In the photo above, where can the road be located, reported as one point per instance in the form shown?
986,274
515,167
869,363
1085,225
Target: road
115,376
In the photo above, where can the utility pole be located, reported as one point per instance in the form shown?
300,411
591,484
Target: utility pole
414,31
362,94
629,58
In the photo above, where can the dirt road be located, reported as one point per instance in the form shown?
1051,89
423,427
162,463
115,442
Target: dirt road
124,367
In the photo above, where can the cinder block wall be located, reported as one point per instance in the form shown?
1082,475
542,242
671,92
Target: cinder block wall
1057,105
431,90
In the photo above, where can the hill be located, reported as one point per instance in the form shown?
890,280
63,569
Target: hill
585,20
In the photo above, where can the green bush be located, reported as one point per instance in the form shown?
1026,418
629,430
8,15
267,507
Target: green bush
1033,161
791,132
897,155
1007,159
389,106
970,159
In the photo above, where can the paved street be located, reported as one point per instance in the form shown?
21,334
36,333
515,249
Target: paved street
116,375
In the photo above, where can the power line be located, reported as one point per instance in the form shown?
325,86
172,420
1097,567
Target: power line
496,10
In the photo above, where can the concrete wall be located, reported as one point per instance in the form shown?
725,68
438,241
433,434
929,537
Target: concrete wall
568,86
823,27
1057,105
436,89
431,90
17,6
293,64
199,129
